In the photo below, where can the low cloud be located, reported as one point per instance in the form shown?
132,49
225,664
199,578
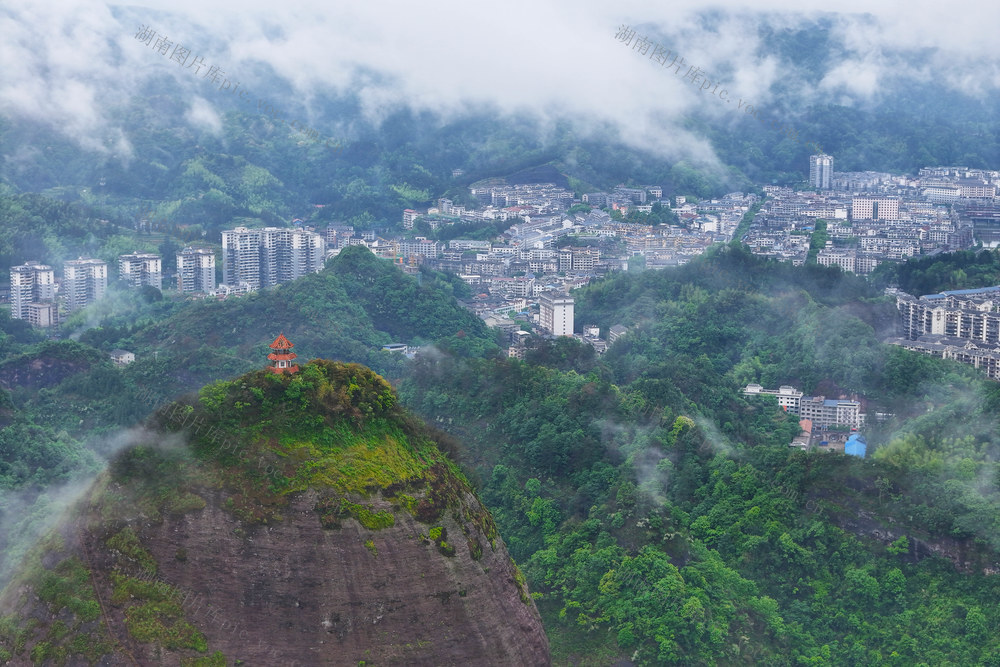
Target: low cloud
75,62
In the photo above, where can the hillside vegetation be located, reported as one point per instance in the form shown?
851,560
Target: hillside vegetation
663,516
319,474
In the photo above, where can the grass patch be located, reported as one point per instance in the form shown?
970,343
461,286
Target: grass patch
217,659
67,586
155,616
164,624
64,587
126,543
184,502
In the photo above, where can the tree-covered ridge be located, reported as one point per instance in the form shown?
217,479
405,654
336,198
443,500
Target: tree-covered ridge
330,426
963,269
348,311
402,306
634,485
42,229
67,402
66,399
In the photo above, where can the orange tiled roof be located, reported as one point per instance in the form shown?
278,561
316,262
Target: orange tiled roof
281,343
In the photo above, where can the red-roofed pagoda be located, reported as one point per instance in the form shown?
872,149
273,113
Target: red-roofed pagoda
281,358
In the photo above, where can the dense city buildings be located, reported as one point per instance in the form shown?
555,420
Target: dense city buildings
874,217
196,270
139,269
821,171
33,293
84,282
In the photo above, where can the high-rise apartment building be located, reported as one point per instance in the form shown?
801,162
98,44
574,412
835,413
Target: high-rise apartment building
266,257
821,171
301,252
84,282
555,314
141,269
32,293
241,257
196,270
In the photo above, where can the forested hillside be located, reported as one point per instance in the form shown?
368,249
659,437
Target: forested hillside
963,269
660,514
308,509
663,516
63,403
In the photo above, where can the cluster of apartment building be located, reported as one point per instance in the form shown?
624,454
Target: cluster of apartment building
256,258
252,259
963,325
195,270
35,294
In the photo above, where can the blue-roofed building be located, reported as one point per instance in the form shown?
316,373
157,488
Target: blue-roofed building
856,446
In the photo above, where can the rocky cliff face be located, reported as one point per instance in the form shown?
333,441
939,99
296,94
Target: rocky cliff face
303,520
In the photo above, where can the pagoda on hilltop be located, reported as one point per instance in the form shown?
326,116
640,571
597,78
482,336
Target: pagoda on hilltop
282,359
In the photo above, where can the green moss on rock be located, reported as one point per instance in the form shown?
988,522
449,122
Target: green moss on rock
217,659
71,630
153,613
126,543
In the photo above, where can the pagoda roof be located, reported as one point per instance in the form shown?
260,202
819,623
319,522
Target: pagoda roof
281,343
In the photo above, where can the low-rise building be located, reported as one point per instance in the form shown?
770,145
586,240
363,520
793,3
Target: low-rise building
42,314
819,410
827,412
122,357
788,396
984,357
616,332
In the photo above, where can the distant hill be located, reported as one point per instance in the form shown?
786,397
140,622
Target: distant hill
276,519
